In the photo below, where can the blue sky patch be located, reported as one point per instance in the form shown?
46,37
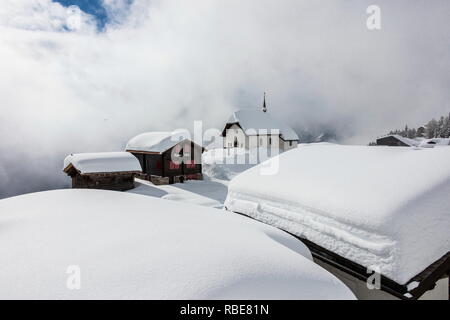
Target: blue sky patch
92,7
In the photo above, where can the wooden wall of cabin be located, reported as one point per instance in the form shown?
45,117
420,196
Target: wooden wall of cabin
191,155
151,164
154,164
195,166
117,182
164,166
170,168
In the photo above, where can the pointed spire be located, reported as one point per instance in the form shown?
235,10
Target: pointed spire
264,108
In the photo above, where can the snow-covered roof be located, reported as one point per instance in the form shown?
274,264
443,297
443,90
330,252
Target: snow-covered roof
420,142
155,141
407,141
430,143
382,206
252,121
103,162
129,246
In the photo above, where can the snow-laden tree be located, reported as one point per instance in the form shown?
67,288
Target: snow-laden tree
433,129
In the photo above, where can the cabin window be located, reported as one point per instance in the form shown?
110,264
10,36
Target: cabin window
158,164
290,143
270,141
235,142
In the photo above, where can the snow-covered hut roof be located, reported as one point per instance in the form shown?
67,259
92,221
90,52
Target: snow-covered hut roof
129,246
406,141
155,141
102,162
420,142
252,121
380,206
430,143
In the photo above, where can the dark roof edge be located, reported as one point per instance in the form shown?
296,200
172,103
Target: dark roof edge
229,124
427,278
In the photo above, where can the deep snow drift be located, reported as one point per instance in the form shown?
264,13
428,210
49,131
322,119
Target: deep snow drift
129,246
377,206
209,192
225,164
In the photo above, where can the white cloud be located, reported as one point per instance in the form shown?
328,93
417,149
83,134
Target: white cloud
43,15
165,63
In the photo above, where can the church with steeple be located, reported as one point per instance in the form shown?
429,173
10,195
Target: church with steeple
257,128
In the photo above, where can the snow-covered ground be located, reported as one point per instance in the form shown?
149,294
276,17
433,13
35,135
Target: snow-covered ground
225,164
96,244
219,167
386,207
368,204
208,193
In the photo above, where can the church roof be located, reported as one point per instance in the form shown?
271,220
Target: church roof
253,121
